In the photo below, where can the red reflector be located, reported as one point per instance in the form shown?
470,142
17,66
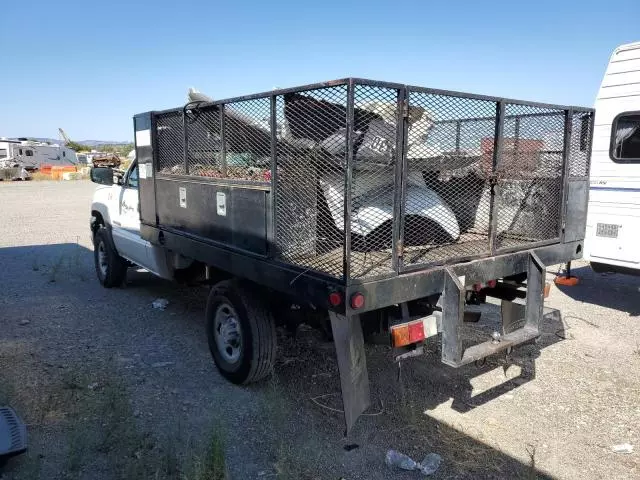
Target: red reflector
416,332
335,299
492,283
357,301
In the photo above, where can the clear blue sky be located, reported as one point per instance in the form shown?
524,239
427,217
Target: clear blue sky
90,66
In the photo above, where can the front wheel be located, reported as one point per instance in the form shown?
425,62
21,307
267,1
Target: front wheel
241,332
111,268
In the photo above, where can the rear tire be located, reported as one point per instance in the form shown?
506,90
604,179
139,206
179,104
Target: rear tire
111,268
241,332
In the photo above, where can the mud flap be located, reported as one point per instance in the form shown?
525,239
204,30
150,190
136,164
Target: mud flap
352,363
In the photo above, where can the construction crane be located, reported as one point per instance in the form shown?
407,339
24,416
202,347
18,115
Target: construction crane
64,136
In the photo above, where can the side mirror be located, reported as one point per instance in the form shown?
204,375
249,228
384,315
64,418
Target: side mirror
102,175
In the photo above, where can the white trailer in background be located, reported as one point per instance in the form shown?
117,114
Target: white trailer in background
613,219
32,155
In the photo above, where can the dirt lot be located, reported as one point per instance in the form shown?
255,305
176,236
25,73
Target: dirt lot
111,388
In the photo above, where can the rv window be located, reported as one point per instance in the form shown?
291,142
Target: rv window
3,153
20,151
625,138
29,153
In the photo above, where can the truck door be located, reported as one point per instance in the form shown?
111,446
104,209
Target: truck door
126,227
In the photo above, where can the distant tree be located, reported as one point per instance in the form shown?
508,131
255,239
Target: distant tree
126,149
122,150
77,146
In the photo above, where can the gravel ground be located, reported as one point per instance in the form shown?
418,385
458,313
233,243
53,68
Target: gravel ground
112,388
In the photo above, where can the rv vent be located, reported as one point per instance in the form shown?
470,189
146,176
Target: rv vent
608,230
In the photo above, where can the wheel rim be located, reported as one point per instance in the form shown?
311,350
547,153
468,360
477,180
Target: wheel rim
227,333
102,259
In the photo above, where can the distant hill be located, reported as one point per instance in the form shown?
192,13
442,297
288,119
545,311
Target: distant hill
89,143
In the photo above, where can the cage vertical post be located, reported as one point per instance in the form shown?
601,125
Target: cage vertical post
271,210
396,243
223,142
402,184
566,152
348,180
494,177
185,146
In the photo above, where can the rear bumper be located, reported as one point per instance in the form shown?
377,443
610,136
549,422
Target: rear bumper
423,283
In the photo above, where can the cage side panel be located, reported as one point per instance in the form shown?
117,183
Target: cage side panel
203,128
309,200
447,194
529,174
580,151
373,180
578,182
225,214
170,143
248,139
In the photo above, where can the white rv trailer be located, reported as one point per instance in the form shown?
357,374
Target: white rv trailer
613,218
32,155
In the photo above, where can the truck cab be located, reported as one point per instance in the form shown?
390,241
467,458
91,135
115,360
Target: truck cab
115,228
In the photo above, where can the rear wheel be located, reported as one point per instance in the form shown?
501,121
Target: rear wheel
111,268
241,332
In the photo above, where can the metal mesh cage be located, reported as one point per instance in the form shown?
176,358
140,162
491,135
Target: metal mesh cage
580,151
530,176
434,177
310,178
170,143
447,198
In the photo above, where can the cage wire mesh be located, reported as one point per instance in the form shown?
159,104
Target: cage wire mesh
530,176
373,182
203,142
310,178
447,197
579,153
170,143
247,137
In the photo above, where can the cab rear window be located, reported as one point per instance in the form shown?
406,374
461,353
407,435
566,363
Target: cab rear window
625,138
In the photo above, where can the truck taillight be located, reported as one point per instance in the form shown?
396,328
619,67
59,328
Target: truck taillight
335,299
407,333
357,300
